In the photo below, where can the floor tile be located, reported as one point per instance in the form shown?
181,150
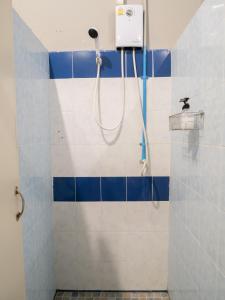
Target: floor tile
111,295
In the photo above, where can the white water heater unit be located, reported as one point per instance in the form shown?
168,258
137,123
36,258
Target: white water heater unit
129,26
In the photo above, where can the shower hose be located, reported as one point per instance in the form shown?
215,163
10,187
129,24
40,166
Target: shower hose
96,103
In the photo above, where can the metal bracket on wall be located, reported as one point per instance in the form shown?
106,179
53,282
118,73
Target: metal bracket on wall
20,213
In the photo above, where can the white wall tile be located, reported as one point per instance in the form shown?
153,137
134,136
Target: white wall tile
89,276
114,216
159,90
88,216
138,218
65,90
112,247
160,159
88,247
65,215
113,160
132,160
65,253
158,215
147,261
62,161
113,276
87,160
158,126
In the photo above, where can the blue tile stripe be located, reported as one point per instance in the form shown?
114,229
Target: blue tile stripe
92,189
82,64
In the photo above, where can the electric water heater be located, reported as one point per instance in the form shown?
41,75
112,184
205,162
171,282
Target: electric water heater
129,26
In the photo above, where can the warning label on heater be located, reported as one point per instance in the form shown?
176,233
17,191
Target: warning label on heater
120,11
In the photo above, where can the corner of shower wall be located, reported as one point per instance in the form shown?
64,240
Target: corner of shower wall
33,135
197,215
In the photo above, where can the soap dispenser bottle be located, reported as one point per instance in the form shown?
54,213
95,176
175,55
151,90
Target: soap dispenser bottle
186,105
187,120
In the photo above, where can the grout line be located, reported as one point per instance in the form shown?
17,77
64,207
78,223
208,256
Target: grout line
100,189
152,195
126,188
72,66
75,189
125,64
153,65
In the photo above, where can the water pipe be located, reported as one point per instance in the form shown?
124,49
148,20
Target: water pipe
144,155
144,101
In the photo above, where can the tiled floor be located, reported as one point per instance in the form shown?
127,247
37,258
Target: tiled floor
112,296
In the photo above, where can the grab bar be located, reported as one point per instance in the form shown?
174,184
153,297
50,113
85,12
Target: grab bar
20,213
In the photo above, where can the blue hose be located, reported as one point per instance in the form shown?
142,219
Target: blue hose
144,100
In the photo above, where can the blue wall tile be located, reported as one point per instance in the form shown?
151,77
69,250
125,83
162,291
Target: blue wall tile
111,64
139,188
161,188
162,63
84,64
60,64
113,188
64,188
139,61
88,189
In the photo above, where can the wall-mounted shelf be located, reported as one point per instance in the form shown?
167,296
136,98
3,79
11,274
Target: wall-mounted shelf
187,120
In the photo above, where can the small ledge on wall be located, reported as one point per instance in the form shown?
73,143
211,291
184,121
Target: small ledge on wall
82,64
92,189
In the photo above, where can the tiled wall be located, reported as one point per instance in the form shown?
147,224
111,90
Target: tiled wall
32,95
108,234
197,194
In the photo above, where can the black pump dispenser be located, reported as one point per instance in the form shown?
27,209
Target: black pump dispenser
186,105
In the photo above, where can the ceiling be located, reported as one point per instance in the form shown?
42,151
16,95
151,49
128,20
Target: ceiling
62,25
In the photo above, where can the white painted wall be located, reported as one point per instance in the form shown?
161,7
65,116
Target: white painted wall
63,25
197,235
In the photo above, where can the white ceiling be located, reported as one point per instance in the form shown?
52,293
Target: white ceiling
62,25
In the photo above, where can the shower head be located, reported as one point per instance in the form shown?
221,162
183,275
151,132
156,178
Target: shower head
93,33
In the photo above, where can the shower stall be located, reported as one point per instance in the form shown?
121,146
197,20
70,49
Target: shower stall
102,200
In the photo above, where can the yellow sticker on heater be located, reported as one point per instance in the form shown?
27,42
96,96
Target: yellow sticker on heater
120,11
